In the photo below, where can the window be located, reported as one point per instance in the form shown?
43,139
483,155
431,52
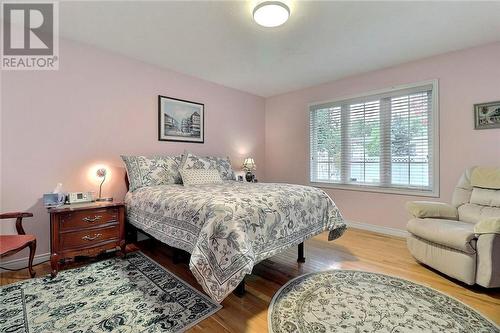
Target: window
385,141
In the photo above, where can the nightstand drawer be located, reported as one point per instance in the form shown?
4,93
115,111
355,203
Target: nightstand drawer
89,237
88,218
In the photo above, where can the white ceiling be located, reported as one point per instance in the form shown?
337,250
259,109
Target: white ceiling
322,41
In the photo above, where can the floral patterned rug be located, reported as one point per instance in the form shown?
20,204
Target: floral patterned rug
355,301
115,295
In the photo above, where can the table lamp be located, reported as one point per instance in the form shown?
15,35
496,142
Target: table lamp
249,166
101,174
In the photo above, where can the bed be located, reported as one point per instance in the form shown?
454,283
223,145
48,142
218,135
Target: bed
229,227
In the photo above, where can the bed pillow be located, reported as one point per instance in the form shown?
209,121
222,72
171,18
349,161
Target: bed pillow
149,171
221,164
200,176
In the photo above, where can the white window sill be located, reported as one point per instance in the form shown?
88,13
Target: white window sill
377,189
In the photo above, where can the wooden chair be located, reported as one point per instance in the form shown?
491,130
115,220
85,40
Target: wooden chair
10,244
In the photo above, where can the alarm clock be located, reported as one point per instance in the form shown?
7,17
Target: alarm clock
78,197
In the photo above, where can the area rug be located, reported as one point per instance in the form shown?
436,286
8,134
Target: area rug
134,294
355,301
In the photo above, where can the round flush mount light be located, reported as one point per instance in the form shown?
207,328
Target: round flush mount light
271,14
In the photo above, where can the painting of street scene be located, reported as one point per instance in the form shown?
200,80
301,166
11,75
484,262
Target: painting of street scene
180,120
487,115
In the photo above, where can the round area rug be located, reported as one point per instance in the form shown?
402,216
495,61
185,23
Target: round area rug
356,301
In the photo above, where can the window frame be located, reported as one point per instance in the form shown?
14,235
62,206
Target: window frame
404,190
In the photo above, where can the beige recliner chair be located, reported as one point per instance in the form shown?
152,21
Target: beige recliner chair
462,240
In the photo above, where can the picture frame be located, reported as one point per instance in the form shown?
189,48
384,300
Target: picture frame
180,120
487,115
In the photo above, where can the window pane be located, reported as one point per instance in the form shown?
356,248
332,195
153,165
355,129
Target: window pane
357,171
399,173
419,174
372,172
328,147
364,142
410,140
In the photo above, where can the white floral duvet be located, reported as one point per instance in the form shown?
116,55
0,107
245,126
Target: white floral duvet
230,227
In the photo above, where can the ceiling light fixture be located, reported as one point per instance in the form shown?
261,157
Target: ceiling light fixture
271,14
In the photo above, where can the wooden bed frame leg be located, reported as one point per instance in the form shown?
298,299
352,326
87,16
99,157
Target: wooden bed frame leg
300,252
240,290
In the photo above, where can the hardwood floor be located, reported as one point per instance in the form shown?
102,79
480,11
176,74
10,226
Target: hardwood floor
357,249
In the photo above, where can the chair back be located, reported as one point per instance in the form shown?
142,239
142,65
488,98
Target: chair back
477,194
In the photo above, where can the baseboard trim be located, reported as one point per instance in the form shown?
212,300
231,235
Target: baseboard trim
378,229
23,262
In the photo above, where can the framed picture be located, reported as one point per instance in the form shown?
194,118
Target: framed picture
180,120
487,115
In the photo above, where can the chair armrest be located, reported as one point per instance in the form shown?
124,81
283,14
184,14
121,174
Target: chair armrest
19,220
424,209
15,215
488,226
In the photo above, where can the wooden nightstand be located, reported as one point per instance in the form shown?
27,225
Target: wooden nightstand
86,229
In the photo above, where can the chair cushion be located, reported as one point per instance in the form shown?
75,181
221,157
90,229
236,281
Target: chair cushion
485,197
13,242
454,234
472,213
486,177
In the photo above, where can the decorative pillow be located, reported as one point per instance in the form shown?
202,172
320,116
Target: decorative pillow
200,176
149,171
221,164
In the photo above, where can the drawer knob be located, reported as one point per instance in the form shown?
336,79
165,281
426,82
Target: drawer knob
91,238
92,219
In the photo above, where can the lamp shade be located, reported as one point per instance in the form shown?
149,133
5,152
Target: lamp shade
249,164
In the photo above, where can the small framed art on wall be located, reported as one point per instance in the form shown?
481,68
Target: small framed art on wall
487,115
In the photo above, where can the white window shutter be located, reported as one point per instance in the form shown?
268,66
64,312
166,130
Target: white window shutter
382,140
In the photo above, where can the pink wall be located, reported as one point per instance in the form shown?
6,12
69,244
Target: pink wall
465,77
57,124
